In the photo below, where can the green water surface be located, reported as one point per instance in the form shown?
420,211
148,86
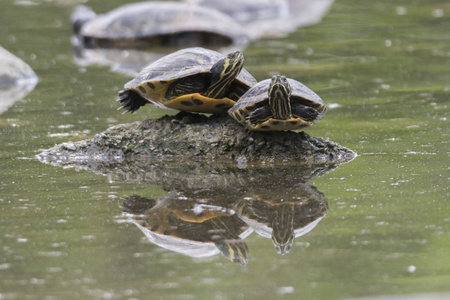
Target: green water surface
383,67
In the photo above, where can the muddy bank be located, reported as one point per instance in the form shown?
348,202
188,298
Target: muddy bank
199,136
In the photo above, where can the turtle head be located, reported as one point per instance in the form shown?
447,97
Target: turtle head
223,72
80,16
279,97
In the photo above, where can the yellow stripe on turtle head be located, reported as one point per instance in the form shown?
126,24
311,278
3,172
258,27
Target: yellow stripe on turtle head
223,73
280,97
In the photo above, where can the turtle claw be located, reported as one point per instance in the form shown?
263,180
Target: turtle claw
127,109
259,115
130,101
306,113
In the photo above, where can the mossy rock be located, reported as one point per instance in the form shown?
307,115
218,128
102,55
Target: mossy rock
198,136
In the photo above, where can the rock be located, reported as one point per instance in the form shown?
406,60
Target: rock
17,79
198,136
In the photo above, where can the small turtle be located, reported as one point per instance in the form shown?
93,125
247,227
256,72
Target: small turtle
277,104
192,79
156,23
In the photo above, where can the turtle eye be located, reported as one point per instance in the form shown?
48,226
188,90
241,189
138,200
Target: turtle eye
283,78
274,78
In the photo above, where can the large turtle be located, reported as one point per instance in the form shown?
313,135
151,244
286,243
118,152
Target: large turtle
278,103
192,79
156,23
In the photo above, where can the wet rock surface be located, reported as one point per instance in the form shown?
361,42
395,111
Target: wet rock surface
197,136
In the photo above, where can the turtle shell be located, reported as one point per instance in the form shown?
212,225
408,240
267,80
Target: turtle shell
169,23
155,79
258,96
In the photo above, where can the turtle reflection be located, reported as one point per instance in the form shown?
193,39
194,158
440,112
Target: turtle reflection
283,219
191,226
211,207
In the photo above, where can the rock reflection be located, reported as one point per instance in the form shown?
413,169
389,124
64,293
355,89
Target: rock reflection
212,208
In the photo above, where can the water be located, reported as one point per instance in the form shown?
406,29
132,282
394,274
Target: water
382,65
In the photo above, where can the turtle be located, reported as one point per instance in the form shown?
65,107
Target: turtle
278,103
192,79
155,23
174,222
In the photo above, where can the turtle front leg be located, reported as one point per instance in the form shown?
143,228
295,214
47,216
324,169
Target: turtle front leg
259,115
306,113
131,101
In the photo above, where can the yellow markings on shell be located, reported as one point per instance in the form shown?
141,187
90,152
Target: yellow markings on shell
280,125
198,103
153,91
